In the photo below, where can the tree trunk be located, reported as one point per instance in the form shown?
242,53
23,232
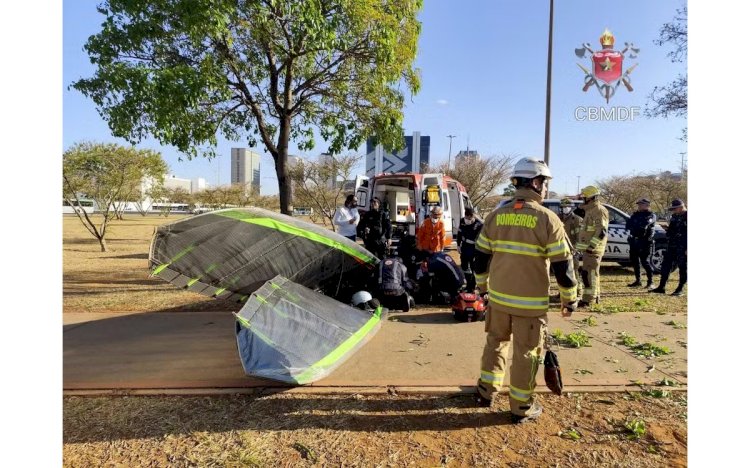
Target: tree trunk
102,243
282,168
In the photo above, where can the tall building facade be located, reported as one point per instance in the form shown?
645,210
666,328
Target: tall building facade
415,157
467,155
246,168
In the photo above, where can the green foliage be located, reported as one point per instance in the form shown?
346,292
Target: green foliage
107,173
677,325
189,72
643,349
573,340
657,393
636,428
589,321
571,434
627,340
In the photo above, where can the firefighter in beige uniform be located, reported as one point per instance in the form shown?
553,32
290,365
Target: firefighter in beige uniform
592,242
573,224
514,252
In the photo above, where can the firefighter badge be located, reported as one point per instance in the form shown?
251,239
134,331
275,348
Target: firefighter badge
607,66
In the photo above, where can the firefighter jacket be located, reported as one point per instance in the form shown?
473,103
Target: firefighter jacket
573,225
521,239
374,226
677,231
641,226
594,231
468,233
431,236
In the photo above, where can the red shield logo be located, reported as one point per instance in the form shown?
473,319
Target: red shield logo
607,65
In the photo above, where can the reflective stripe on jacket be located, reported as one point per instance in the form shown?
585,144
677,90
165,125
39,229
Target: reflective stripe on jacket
522,237
595,224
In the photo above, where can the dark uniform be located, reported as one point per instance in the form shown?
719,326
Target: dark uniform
466,241
641,239
393,284
676,252
443,279
374,229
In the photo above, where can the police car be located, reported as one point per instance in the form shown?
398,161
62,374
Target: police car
618,249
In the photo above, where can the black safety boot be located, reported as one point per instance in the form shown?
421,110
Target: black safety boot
583,304
481,401
659,290
636,284
649,285
678,292
532,413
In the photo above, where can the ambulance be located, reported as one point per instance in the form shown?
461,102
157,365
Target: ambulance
408,197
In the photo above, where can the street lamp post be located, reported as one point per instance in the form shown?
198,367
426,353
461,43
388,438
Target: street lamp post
579,185
450,149
549,84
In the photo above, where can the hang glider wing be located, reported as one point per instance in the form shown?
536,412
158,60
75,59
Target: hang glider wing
230,253
289,333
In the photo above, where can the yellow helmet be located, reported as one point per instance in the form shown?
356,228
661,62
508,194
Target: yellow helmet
590,191
566,202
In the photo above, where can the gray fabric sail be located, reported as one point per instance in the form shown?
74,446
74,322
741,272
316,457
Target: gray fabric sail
289,333
230,253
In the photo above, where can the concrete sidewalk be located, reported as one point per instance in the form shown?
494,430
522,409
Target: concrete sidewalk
422,348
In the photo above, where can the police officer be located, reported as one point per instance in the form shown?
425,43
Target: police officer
573,224
641,239
375,229
468,230
393,284
592,242
515,249
676,248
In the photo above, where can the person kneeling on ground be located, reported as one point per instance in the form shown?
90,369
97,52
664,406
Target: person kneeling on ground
393,285
440,279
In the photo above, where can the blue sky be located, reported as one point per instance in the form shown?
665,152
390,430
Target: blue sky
483,66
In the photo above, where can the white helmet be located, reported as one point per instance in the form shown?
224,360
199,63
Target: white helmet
360,298
530,168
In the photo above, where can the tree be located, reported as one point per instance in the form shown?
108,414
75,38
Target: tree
188,71
320,184
106,173
671,100
481,176
661,188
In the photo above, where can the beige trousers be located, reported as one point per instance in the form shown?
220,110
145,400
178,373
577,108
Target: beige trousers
590,276
528,341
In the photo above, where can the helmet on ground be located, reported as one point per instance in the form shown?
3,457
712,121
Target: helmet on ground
566,202
529,168
590,191
361,297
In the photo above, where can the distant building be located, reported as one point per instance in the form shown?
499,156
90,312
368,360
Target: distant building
415,157
197,185
246,168
329,161
467,155
172,182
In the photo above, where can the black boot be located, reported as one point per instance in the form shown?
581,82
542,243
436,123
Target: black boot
650,284
636,284
659,290
532,412
678,292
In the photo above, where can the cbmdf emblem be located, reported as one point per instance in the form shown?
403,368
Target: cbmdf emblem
607,66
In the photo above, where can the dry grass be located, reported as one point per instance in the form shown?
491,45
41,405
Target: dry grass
355,430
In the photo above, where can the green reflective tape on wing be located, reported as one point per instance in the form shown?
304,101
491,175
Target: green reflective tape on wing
255,331
294,230
179,255
334,356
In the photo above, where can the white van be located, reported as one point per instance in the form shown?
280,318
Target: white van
408,198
